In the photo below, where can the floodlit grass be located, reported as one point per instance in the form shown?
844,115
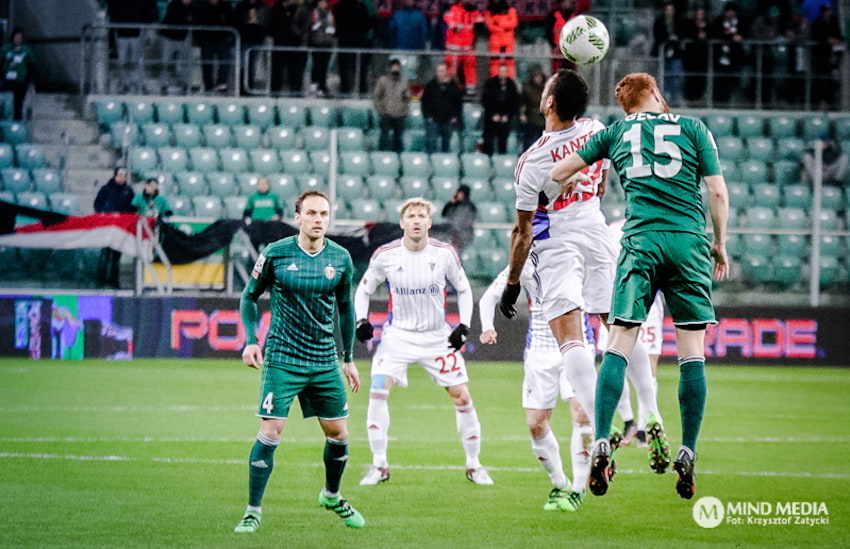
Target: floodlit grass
153,453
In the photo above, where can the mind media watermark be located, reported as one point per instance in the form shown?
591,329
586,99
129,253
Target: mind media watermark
710,512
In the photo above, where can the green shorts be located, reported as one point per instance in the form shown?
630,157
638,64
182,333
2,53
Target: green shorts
679,264
320,393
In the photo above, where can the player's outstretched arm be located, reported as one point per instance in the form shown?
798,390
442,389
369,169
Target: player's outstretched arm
718,205
521,239
566,169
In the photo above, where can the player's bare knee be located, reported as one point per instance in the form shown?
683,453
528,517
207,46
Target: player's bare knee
538,422
459,394
272,428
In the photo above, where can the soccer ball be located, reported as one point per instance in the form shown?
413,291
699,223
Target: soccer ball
584,40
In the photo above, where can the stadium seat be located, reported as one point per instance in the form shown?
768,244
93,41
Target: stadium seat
67,203
758,244
760,148
392,209
492,212
109,112
739,195
415,186
324,116
443,188
222,184
234,160
492,261
483,238
186,135
7,156
142,159
208,206
734,219
416,121
472,114
815,127
792,219
33,199
766,195
350,187
750,125
480,189
47,180
790,148
757,269
295,162
354,163
265,161
169,112
8,196
786,172
829,271
830,245
200,113
234,206
261,114
503,191
366,209
720,125
14,133
157,135
285,186
385,163
842,127
191,183
793,244
293,116
754,171
832,197
350,139
613,211
321,161
787,270
445,165
248,136
829,220
217,136
205,159
140,112
231,113
731,148
355,117
381,187
797,196
735,245
281,137
472,141
181,205
476,165
760,218
247,182
312,182
315,138
124,134
782,126
340,210
415,164
413,141
30,156
730,169
504,165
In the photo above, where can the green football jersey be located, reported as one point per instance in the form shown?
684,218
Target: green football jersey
660,158
303,291
262,207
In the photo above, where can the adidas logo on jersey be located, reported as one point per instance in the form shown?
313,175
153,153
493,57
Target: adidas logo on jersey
292,267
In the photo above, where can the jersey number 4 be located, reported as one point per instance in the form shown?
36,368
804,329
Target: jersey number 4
660,147
447,363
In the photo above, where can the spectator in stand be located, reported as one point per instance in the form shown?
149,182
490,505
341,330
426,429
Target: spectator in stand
322,35
175,46
408,28
799,66
392,101
767,28
114,197
500,99
834,163
129,42
290,25
531,121
696,55
440,29
460,41
263,205
150,203
216,56
668,32
826,58
502,21
729,55
460,214
442,108
17,68
354,25
252,18
554,22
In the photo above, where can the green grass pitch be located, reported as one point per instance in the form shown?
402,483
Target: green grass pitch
152,453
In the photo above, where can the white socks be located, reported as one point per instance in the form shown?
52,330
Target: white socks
377,425
640,374
581,373
624,407
470,433
548,453
581,444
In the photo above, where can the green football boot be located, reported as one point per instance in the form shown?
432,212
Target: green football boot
349,515
657,445
557,500
250,523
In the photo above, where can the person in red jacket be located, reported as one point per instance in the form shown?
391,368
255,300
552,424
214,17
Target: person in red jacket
555,21
460,40
502,21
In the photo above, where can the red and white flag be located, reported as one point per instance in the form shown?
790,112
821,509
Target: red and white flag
113,230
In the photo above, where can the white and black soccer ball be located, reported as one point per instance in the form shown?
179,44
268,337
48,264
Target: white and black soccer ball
584,40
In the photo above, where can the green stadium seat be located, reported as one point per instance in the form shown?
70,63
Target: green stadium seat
829,271
416,121
787,270
181,205
797,196
67,203
222,184
793,244
324,116
295,162
385,163
758,244
231,113
234,160
142,159
208,206
445,165
412,185
483,238
109,112
782,126
234,206
47,180
356,117
443,188
247,182
261,114
472,114
842,127
140,112
366,209
734,219
829,220
472,140
340,210
790,148
832,197
480,189
315,138
493,212
8,196
721,125
756,269
218,136
413,141
786,172
285,186
191,183
265,161
794,219
350,139
7,156
503,191
735,245
186,135
30,156
281,137
200,113
355,163
124,134
730,169
754,171
293,115
392,209
415,164
33,199
476,165
504,165
381,187
613,211
312,182
766,194
14,133
492,261
248,136
471,260
831,245
205,159
170,112
157,135
815,127
321,161
750,125
731,148
760,218
739,195
350,187
760,148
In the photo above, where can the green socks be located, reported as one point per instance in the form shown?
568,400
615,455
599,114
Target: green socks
260,468
336,455
692,393
609,387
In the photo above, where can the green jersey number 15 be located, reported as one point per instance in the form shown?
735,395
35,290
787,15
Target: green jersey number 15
660,147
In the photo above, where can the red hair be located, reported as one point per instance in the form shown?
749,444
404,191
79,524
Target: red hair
633,89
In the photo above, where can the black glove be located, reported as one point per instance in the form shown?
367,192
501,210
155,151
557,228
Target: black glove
364,330
458,336
508,300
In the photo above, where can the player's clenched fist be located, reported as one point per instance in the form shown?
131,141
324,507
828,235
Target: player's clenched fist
364,330
508,300
458,336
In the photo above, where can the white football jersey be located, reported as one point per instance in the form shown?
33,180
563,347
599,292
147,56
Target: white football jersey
535,191
417,285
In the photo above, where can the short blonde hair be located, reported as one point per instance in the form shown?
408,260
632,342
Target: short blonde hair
632,89
416,202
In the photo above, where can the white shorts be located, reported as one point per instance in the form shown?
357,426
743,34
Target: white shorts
399,348
652,330
575,270
544,379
